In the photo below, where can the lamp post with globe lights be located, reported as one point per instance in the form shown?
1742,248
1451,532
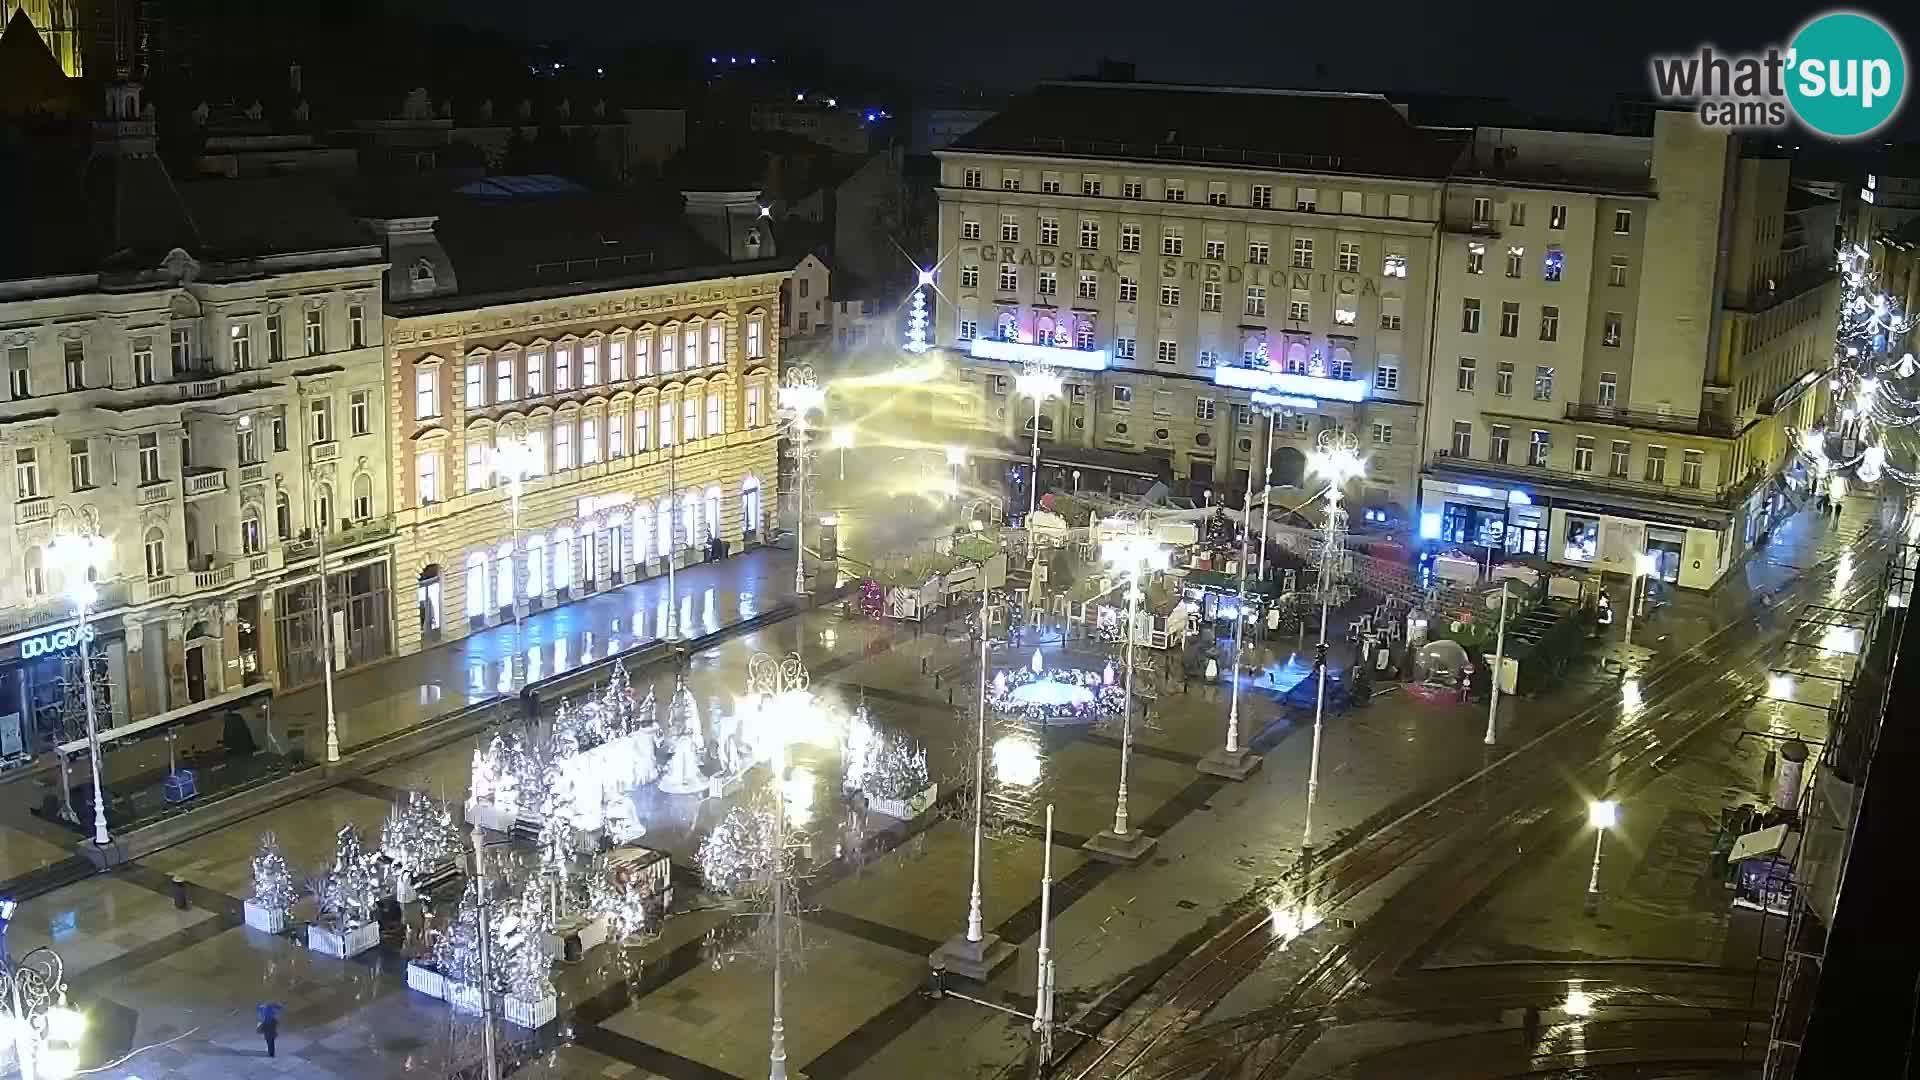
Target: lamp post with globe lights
1602,814
1234,761
80,553
956,457
1039,383
46,1030
842,441
1135,553
800,396
512,460
1336,460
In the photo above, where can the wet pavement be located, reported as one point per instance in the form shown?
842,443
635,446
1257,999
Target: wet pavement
880,896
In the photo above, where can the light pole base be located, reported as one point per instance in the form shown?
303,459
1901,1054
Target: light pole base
976,960
105,857
1109,846
1235,766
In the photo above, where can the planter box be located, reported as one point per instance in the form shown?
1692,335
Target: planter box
905,809
464,997
532,1014
592,932
341,945
426,980
265,919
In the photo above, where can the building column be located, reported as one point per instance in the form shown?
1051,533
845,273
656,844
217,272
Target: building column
232,662
267,635
177,656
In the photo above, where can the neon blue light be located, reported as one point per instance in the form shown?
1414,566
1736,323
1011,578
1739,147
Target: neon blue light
1517,497
1478,491
1429,526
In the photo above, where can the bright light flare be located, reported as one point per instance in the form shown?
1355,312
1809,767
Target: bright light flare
1603,813
1337,466
801,400
1644,564
956,455
843,437
1016,761
798,789
1630,699
512,460
1780,685
1579,1003
80,557
1138,550
1290,922
1038,384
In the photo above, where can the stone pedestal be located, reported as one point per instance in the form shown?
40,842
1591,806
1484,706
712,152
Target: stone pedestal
1109,846
976,960
1236,766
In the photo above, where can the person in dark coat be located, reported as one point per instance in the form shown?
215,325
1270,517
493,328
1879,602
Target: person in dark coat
269,1024
1530,1027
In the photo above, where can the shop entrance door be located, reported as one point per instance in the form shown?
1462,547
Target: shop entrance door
196,673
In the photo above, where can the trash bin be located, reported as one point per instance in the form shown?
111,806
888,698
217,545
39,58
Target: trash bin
297,744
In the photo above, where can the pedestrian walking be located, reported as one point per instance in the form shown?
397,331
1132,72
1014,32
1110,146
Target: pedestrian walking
1530,1027
269,1027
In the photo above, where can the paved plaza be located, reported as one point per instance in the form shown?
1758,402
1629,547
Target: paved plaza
177,988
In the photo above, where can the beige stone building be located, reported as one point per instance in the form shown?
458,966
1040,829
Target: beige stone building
632,348
201,383
1624,330
1178,250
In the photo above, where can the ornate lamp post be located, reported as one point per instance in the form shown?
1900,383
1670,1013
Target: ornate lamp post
1135,554
842,440
1234,761
976,954
81,553
800,395
512,461
46,1031
1337,460
1039,383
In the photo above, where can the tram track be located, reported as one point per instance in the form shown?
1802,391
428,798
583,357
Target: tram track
1489,814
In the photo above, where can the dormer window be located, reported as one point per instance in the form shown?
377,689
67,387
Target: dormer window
422,275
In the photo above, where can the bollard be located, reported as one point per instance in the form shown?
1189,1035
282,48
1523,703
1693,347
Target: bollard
180,894
949,695
923,665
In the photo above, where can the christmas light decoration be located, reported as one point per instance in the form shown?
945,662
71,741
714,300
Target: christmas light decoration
273,887
739,858
354,884
917,318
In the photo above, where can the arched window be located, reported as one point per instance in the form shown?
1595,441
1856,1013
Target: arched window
1009,326
422,275
536,565
156,550
36,571
562,558
363,497
282,515
252,539
664,528
690,533
1296,359
642,530
713,511
750,505
503,575
476,584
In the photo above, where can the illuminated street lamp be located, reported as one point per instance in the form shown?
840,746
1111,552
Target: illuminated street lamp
799,397
46,1030
80,553
1499,665
513,459
842,439
1134,553
1233,761
1038,383
1337,460
1602,814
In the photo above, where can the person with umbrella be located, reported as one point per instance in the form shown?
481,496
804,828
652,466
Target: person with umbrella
269,1028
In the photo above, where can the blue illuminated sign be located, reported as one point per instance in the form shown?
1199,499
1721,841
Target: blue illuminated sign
1282,401
55,641
1286,382
1020,352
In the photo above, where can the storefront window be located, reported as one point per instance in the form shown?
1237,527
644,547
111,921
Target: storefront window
1526,531
1582,539
1464,523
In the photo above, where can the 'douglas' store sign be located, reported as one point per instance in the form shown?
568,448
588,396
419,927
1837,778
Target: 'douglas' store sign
55,641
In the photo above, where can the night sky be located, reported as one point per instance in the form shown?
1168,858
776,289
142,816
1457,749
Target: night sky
1555,54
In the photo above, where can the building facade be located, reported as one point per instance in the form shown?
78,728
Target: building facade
645,404
1624,333
1186,254
212,415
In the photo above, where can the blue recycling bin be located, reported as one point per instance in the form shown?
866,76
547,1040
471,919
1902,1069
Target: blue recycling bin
180,785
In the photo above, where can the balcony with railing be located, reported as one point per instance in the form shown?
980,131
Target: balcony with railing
157,491
307,545
31,511
253,473
201,480
1596,482
1707,424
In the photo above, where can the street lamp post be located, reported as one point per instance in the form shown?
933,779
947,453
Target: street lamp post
485,958
80,553
800,395
842,439
513,461
46,1031
1135,553
1038,383
976,954
1338,460
1603,814
1499,665
956,457
1266,493
1233,761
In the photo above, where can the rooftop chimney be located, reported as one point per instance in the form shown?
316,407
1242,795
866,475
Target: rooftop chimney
735,222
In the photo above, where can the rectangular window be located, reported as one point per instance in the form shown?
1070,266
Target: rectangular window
563,364
1050,183
536,372
75,357
1171,242
1049,283
276,338
971,178
1010,181
1299,307
1216,250
690,418
357,325
180,349
1503,379
1656,465
426,393
1549,323
1553,265
969,329
1129,290
1501,435
1538,447
1383,434
1256,300
969,277
1542,383
1009,229
1049,232
1691,466
1090,185
1305,199
537,460
1386,375
1207,359
969,230
756,340
1203,409
1390,312
1259,253
1210,296
1399,206
1169,352
1463,376
1009,278
19,373
476,384
1517,213
1348,261
643,424
1089,234
1260,196
642,355
1462,439
1129,238
80,463
1509,320
1556,217
1617,458
617,433
1515,257
426,475
320,420
1476,258
1470,316
1303,253
1610,330
562,445
149,454
1133,188
1169,296
590,361
1163,403
1393,264
1089,286
1623,222
716,415
1482,211
1352,202
478,475
316,331
1617,271
1125,348
143,371
360,412
1346,308
503,379
279,428
1123,398
26,475
1609,387
1216,193
1176,191
1583,453
239,346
